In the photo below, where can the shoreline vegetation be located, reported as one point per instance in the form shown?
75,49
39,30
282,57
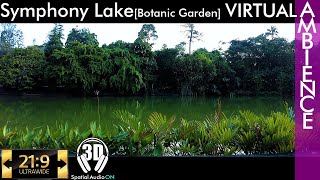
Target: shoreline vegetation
261,65
254,66
217,135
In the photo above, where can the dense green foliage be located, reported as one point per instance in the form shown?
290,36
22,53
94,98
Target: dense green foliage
263,63
147,32
257,65
247,133
22,69
83,36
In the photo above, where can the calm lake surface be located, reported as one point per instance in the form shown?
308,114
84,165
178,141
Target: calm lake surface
33,112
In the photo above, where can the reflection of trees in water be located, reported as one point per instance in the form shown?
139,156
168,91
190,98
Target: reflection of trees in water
79,112
258,105
181,107
15,113
136,106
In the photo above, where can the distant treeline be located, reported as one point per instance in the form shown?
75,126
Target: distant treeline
254,66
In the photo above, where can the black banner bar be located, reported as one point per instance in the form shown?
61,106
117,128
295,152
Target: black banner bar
144,11
149,168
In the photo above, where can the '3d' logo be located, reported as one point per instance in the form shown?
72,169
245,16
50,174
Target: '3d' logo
92,150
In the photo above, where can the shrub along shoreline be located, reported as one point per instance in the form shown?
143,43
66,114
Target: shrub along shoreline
217,135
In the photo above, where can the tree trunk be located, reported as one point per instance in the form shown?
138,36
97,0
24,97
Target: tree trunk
190,40
190,47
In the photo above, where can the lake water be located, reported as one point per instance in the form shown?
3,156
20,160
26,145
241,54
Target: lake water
79,112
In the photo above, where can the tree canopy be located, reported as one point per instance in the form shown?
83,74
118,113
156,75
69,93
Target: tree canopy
83,36
10,37
257,65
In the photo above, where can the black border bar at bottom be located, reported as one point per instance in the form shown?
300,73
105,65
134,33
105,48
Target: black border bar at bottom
206,167
149,168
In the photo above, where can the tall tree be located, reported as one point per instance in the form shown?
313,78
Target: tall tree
263,64
166,61
10,37
54,41
83,36
273,32
181,48
192,34
126,76
148,32
148,63
80,68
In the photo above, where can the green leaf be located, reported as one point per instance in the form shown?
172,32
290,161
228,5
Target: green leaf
158,151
